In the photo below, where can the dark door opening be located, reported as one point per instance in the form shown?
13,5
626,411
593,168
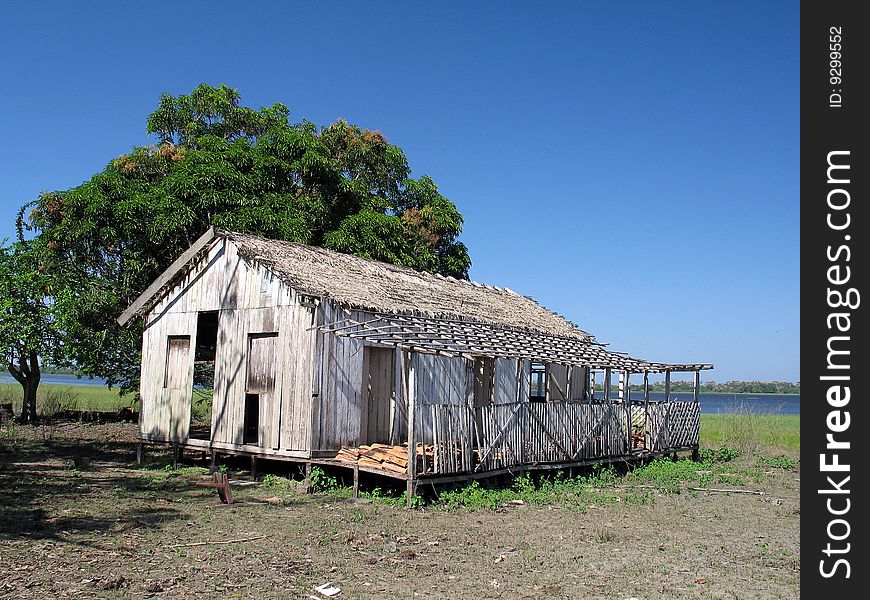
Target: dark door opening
204,356
252,419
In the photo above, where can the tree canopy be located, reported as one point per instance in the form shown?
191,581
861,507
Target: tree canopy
27,316
254,171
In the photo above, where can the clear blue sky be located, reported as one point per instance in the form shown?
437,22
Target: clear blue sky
633,167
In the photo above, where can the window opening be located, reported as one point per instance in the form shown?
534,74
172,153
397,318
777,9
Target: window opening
538,382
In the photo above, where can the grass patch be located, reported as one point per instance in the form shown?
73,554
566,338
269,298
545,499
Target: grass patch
77,397
603,486
753,433
779,462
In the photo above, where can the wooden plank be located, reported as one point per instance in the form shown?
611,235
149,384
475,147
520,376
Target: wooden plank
399,415
667,425
261,377
557,383
178,363
410,393
577,383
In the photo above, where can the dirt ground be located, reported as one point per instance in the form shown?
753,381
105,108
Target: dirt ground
112,530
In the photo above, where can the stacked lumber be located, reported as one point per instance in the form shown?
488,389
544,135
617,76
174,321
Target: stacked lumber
381,456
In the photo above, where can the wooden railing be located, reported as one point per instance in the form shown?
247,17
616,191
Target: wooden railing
464,439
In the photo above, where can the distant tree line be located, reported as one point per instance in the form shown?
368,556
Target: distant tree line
728,387
53,370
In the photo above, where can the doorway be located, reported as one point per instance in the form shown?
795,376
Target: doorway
260,389
379,392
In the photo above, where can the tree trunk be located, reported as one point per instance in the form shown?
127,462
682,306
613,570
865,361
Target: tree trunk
28,374
28,412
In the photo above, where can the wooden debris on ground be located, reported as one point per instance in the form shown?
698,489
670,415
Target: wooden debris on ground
216,542
383,456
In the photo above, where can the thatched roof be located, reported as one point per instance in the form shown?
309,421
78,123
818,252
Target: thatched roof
385,288
413,310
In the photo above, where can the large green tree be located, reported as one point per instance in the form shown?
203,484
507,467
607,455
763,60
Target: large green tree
218,163
27,328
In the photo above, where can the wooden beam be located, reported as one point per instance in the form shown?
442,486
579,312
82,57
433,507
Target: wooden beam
591,386
667,386
668,406
167,276
411,395
626,382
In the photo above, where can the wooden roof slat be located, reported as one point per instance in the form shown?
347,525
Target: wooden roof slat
483,339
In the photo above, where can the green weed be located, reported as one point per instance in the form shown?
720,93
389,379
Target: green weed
780,462
321,482
273,481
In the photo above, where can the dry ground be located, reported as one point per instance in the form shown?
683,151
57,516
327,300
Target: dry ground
114,531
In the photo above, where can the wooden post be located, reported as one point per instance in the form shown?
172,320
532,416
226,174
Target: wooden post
668,406
591,391
356,480
411,395
140,452
607,385
625,380
253,467
307,482
645,389
214,462
175,452
668,386
621,386
696,455
647,438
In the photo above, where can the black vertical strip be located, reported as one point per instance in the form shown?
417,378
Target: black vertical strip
834,336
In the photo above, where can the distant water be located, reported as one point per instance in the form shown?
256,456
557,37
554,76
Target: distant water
59,380
778,404
710,403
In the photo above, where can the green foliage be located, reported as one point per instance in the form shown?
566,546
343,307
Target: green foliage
723,454
322,482
7,431
219,163
274,481
27,319
577,491
780,462
200,407
669,476
57,399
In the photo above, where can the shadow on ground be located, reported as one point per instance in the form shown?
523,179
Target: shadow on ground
74,490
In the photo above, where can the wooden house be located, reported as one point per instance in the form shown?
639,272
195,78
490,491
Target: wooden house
315,356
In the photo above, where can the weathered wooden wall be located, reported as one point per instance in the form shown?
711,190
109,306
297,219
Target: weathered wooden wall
250,301
337,416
